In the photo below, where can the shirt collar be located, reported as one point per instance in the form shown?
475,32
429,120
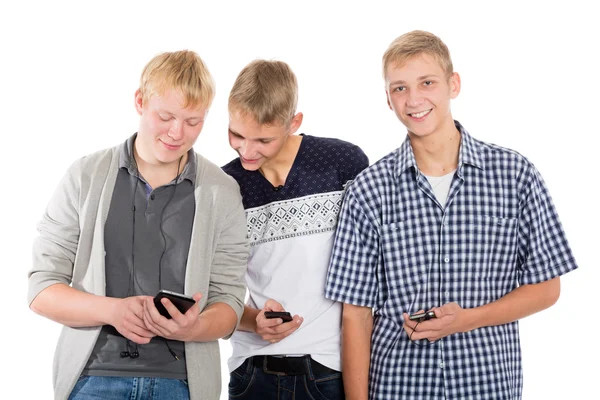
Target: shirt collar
127,161
469,153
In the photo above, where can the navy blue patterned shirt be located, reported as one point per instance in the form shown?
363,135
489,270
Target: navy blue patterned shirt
397,250
291,230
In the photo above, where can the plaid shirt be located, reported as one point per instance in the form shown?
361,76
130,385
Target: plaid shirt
397,250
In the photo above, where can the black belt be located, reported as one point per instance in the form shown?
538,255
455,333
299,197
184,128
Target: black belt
290,365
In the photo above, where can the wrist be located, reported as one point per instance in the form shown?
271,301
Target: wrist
108,309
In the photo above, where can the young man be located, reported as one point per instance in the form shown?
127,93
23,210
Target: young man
126,222
445,223
292,188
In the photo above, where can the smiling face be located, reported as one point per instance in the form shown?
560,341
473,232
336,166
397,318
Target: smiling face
258,144
419,92
167,130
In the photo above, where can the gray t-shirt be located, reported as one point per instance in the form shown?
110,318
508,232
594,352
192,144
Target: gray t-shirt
147,239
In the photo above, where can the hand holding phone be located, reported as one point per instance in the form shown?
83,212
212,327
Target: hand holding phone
284,315
179,300
420,317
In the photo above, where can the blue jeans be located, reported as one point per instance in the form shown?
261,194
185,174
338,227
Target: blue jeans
249,382
118,388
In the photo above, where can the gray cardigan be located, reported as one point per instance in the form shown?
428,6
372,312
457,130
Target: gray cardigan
70,250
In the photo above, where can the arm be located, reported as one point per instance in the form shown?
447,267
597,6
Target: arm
357,325
77,309
519,303
54,252
248,321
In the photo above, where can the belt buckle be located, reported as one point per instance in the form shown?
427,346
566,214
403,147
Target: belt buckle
268,371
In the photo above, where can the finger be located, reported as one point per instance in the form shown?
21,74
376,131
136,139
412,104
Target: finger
263,322
272,305
170,307
291,325
136,338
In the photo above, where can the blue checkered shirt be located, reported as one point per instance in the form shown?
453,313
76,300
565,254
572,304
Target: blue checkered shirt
397,250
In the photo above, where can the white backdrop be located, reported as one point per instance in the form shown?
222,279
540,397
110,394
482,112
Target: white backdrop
530,82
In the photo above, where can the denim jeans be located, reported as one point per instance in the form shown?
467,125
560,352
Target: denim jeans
252,383
118,388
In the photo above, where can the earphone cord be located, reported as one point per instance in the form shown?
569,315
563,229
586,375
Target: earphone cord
130,291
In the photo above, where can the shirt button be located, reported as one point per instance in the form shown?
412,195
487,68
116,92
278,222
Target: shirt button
151,197
447,294
442,364
446,260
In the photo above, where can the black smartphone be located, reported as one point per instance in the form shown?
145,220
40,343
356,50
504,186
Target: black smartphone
181,301
422,316
284,315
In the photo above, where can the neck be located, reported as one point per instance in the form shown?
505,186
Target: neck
437,154
278,168
158,173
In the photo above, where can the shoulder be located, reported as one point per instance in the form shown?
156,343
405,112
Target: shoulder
511,161
212,175
336,146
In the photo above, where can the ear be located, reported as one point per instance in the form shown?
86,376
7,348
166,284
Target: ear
387,98
296,122
139,101
454,83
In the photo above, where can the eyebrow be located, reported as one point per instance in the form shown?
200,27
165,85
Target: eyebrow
187,119
419,79
261,138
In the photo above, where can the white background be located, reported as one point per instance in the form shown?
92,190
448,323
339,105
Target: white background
68,73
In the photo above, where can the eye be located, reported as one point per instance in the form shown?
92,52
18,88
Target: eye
265,141
428,83
164,118
192,124
400,89
232,133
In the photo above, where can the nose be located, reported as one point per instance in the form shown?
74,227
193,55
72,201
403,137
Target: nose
176,130
414,98
247,150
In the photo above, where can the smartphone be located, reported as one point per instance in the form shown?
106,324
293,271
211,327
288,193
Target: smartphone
181,301
422,316
284,315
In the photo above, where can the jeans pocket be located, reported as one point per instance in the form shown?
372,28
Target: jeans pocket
240,379
326,387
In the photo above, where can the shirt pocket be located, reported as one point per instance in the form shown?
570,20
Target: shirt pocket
491,247
406,259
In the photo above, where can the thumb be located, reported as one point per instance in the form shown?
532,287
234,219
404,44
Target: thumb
197,296
272,305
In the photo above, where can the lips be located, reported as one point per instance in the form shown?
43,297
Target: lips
247,161
170,146
420,114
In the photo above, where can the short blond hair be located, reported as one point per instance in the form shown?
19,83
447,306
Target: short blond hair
267,91
415,43
180,70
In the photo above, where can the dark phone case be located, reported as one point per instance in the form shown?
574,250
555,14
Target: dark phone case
284,315
182,302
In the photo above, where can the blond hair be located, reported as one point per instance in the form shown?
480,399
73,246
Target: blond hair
267,91
180,70
415,43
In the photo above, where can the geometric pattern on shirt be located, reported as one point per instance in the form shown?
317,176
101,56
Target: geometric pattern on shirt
296,217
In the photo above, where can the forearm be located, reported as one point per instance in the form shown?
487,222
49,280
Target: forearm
215,321
248,321
520,303
74,308
356,352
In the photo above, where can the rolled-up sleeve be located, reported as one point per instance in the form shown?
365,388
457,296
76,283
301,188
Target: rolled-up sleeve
55,247
227,278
